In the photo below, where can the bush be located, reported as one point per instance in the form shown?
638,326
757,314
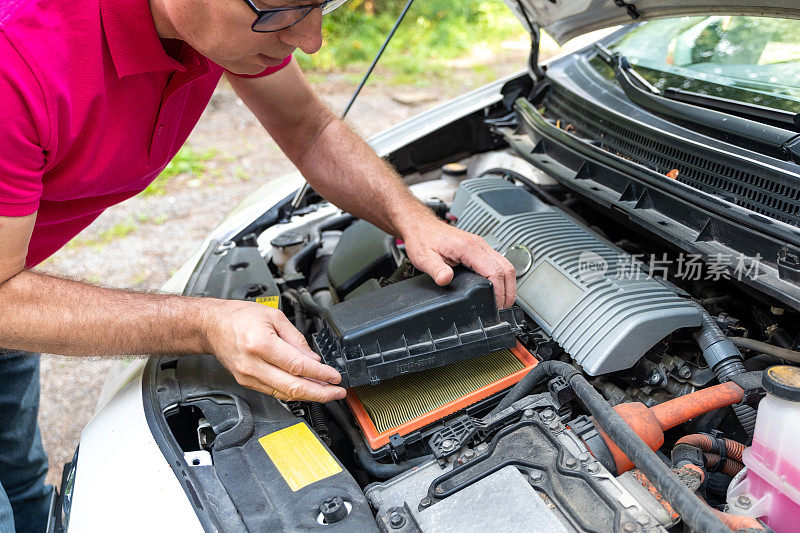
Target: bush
432,32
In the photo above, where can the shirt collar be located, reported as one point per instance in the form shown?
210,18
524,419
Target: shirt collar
132,38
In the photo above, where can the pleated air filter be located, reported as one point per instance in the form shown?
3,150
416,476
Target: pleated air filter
412,401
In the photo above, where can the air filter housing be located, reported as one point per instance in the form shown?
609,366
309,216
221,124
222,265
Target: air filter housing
414,325
600,306
408,403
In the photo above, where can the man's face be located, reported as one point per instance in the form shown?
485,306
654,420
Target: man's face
220,30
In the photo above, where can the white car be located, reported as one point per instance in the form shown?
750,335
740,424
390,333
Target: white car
647,190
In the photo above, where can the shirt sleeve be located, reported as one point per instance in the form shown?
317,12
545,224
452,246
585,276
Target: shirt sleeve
267,71
22,156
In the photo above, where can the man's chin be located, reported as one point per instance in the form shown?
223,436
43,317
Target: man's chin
244,69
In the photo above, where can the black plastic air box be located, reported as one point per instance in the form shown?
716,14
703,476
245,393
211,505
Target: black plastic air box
364,252
414,325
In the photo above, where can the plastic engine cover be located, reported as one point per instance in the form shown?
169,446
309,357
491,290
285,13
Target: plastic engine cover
414,325
602,309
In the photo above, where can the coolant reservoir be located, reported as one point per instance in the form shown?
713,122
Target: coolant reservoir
769,486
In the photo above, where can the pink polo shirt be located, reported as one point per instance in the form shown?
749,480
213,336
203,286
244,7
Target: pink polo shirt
92,108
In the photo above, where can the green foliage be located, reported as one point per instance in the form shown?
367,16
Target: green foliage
186,161
115,232
433,32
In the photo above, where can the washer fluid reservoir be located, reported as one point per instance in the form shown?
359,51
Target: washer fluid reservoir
769,487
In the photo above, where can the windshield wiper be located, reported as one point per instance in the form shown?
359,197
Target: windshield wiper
746,109
646,95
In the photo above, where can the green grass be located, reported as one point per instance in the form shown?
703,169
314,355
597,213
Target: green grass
186,161
117,231
433,33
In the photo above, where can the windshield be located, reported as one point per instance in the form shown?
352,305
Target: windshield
749,59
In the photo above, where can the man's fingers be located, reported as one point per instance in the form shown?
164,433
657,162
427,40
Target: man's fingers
479,260
271,380
435,266
296,363
294,338
510,281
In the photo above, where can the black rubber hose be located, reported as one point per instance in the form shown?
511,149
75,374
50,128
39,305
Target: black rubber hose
762,361
725,361
319,422
525,386
318,275
718,484
310,304
291,268
769,349
300,321
364,457
694,512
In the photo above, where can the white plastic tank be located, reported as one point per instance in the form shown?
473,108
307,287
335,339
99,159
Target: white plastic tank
769,487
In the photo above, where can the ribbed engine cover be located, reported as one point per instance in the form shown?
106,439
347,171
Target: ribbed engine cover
602,309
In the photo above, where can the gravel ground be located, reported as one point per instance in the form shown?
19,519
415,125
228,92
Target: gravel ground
166,229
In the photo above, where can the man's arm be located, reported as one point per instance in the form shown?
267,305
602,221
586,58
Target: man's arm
256,343
346,171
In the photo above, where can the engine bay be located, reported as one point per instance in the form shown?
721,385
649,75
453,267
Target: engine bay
460,416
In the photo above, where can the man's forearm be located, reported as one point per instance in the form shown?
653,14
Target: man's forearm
346,171
47,314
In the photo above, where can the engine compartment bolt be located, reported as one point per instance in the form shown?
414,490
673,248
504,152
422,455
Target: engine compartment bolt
528,413
593,468
685,372
584,457
536,476
425,502
548,414
643,519
448,445
224,247
469,454
570,462
396,520
629,527
554,425
654,379
743,502
333,509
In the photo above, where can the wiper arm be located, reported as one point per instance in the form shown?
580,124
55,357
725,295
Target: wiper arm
644,94
746,109
620,61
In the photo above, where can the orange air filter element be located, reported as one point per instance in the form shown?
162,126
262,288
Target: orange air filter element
407,403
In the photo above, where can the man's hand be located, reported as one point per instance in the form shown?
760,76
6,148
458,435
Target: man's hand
435,247
265,352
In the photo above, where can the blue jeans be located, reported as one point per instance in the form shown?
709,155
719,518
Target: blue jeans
24,498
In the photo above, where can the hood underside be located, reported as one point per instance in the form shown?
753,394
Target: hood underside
565,19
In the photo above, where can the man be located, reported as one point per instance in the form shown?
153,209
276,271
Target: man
96,97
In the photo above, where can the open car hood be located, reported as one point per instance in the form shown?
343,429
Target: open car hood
565,19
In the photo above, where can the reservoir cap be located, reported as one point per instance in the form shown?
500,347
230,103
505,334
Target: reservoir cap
782,381
286,239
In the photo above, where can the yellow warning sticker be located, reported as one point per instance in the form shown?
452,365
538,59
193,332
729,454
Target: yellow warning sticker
271,301
299,456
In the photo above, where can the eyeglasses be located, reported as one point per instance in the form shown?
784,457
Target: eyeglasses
280,18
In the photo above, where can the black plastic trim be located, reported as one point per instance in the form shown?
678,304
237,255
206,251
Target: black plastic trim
690,219
169,448
748,130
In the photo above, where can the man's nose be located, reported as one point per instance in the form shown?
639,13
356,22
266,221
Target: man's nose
306,34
